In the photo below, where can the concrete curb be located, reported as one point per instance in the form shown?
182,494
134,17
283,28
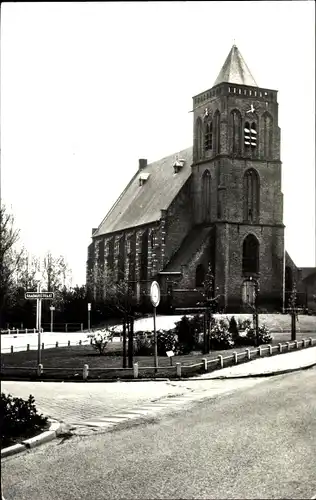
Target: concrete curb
256,375
44,437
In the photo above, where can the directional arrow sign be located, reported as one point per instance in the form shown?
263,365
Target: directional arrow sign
39,295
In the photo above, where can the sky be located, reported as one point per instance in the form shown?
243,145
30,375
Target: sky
89,88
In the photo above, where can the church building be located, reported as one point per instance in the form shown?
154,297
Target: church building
218,203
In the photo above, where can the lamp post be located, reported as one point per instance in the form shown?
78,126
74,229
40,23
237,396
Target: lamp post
89,311
255,316
52,309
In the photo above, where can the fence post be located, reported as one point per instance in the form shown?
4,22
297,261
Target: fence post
56,344
12,349
27,347
178,369
280,347
17,330
42,345
296,344
311,340
288,345
304,342
25,330
221,361
248,353
135,370
205,363
235,357
85,372
260,351
34,330
39,369
66,327
270,349
81,326
8,331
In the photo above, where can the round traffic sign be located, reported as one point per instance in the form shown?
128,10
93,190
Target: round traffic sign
155,293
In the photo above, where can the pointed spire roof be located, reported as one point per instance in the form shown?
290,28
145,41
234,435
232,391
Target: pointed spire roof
235,70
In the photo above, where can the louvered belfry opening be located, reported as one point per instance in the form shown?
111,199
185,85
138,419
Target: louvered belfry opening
250,136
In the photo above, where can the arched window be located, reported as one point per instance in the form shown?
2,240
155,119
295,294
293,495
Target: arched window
206,196
250,254
199,276
236,132
144,256
251,193
199,139
208,136
267,135
217,131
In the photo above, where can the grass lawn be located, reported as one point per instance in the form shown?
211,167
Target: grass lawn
66,363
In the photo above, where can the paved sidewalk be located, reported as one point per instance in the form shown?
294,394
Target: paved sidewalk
280,363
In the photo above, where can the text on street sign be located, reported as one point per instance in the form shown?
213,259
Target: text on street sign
39,295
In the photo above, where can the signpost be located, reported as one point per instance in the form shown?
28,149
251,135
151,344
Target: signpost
155,299
89,309
39,296
170,354
52,309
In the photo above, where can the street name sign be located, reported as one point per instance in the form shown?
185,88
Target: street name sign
39,295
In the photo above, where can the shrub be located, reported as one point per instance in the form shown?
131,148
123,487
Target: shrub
100,340
19,419
167,340
264,335
188,330
143,344
220,337
244,324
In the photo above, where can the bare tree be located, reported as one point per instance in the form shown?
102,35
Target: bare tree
10,256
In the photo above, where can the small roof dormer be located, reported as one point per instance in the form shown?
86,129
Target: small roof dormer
143,177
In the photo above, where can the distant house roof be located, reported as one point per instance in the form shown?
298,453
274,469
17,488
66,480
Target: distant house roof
142,202
235,70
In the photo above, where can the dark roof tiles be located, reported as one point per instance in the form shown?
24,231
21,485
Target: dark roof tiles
142,204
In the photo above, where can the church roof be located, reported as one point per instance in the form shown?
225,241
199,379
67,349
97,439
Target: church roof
150,190
235,70
188,248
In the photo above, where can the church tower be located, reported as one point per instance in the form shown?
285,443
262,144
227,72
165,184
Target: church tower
237,185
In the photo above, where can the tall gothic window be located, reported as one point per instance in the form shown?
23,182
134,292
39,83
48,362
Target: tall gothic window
250,254
267,134
236,131
199,138
144,256
217,131
208,136
121,258
110,259
206,196
251,193
131,250
199,276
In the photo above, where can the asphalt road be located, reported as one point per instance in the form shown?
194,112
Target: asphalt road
258,442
